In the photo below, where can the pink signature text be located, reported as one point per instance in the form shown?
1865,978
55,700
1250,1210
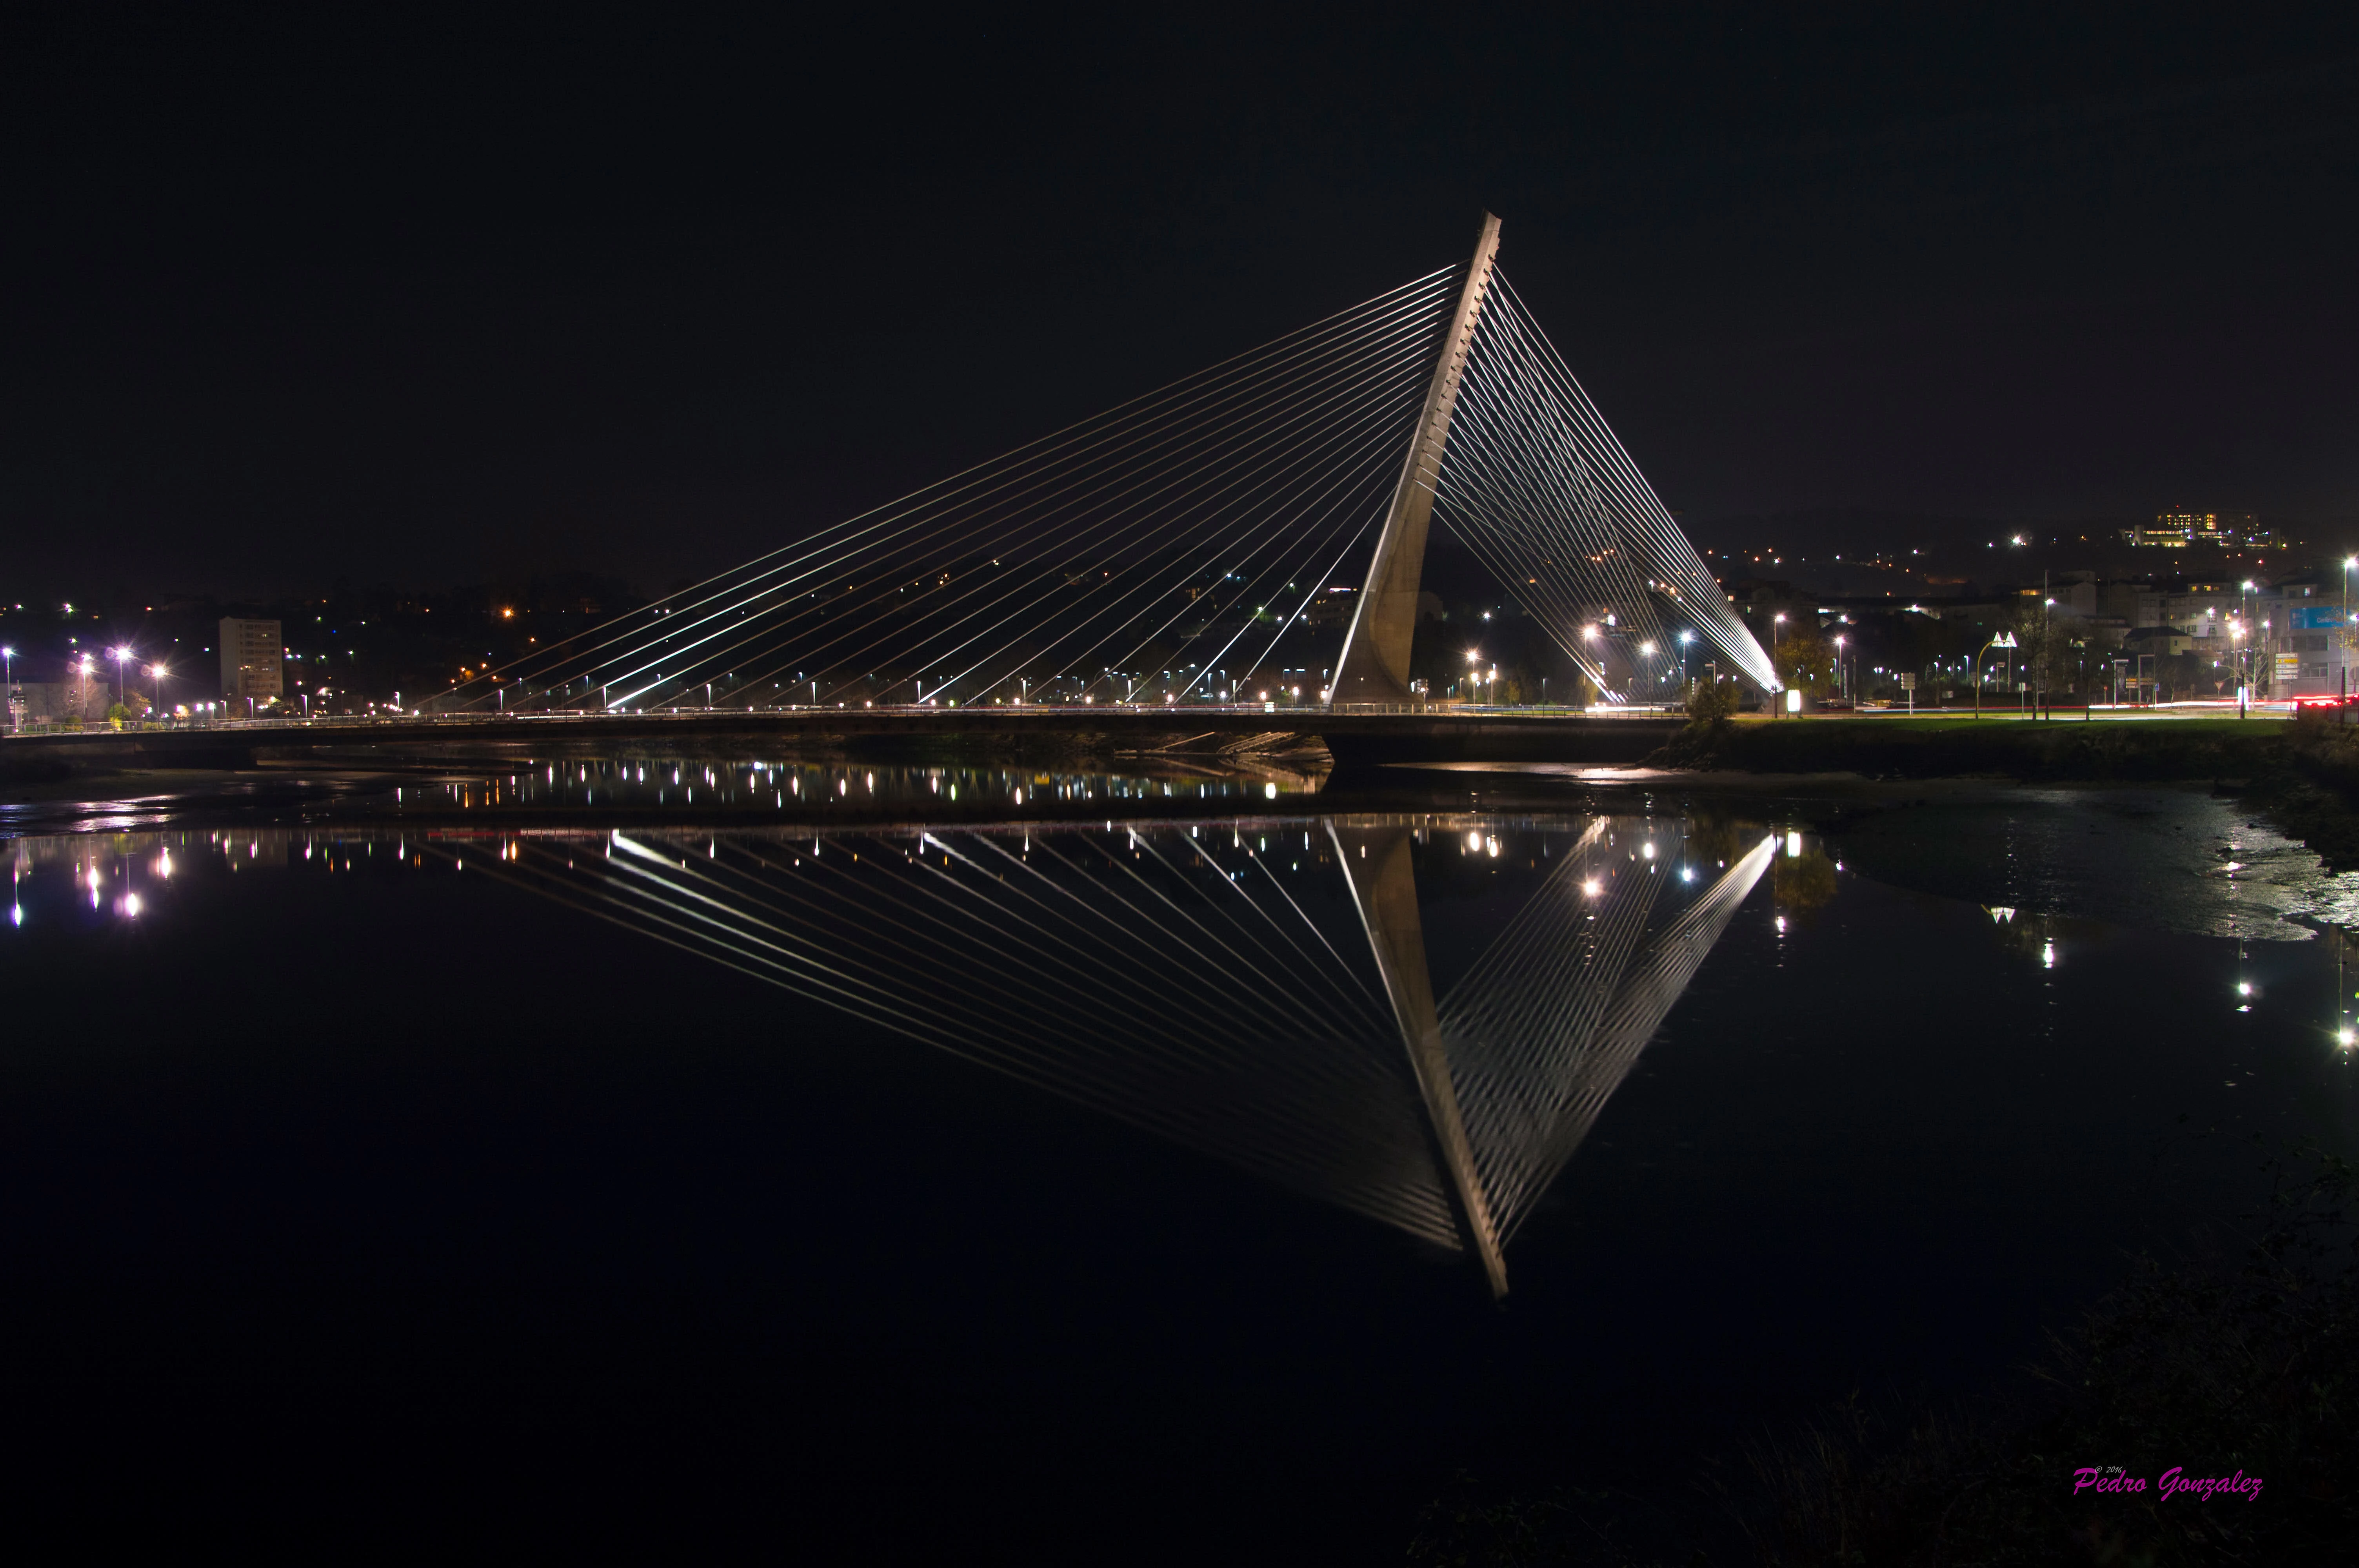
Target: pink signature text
2168,1485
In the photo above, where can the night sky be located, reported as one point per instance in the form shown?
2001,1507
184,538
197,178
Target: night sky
412,296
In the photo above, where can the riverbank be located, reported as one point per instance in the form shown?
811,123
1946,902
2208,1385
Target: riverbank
2304,775
2054,750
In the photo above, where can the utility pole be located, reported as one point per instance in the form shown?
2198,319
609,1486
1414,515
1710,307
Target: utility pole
2245,686
2345,641
2039,672
2001,640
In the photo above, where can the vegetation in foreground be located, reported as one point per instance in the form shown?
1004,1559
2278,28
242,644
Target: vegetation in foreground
2251,1372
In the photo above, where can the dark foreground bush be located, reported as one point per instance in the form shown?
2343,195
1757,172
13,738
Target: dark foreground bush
2184,1376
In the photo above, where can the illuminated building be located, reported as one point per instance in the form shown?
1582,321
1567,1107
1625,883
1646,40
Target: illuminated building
252,663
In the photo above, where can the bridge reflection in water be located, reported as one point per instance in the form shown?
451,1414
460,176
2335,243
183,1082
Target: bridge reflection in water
1259,990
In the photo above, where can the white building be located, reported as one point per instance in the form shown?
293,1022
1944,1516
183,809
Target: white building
2310,645
253,664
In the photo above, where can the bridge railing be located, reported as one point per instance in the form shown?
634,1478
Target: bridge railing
357,723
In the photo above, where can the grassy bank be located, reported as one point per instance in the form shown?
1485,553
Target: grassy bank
2014,747
2303,774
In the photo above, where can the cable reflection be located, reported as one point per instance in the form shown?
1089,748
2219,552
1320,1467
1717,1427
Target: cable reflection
1250,1003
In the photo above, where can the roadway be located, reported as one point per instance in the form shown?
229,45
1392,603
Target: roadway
1440,734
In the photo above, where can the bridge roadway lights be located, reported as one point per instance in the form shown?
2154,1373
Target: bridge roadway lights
1354,739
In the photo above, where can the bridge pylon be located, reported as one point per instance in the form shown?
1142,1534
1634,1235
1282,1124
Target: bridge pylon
1377,866
1373,668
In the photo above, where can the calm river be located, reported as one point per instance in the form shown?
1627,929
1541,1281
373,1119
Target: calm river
1205,1185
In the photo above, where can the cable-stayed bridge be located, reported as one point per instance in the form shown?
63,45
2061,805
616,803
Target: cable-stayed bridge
1254,532
1259,989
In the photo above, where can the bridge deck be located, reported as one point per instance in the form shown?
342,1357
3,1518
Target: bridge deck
1353,739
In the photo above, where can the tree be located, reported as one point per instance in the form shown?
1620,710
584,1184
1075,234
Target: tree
2186,675
2099,646
1805,659
2044,652
1711,701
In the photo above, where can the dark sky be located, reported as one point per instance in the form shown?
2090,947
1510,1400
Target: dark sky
416,297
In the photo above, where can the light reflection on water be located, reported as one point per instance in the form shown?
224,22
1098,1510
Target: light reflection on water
2158,857
1739,1137
1259,988
803,787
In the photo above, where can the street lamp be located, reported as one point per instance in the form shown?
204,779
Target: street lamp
1775,622
2004,640
1685,638
120,656
2349,565
156,673
2236,660
8,683
1839,667
2252,655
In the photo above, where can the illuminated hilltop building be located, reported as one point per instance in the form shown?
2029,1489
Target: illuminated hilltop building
2177,530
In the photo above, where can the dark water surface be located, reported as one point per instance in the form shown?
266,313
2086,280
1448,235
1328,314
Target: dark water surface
897,1193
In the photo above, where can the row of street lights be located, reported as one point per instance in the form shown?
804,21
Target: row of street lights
156,672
